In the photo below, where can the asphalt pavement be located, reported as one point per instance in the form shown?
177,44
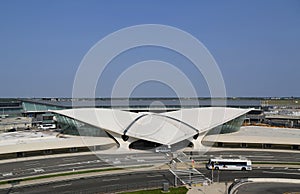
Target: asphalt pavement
135,180
268,188
255,156
142,180
99,184
64,164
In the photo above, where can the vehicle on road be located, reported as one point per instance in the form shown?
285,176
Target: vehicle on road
229,164
163,149
47,126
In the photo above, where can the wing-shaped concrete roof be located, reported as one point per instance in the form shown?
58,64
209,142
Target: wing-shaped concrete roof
165,128
207,118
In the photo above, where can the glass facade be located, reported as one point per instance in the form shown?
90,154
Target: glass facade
72,127
33,107
229,127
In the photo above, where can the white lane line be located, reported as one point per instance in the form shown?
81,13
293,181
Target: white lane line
179,160
7,174
38,170
64,185
286,168
259,156
77,167
78,163
70,164
112,179
158,175
281,173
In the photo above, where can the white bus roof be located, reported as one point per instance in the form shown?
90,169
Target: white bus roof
230,159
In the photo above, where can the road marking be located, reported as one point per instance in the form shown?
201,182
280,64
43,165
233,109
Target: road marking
259,156
7,174
281,173
112,179
77,167
70,164
64,185
157,175
286,168
38,170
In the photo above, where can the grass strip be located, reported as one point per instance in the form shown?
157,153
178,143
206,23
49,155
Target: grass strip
178,190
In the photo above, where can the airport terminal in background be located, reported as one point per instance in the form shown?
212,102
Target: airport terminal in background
266,124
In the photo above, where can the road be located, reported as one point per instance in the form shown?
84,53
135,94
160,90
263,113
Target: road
268,188
140,180
252,155
262,172
63,164
100,184
136,180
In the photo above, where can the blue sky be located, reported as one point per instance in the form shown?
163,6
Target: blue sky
255,43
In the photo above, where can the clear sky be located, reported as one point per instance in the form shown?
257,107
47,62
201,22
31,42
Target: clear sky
256,43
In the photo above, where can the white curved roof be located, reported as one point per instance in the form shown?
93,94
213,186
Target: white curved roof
204,119
165,128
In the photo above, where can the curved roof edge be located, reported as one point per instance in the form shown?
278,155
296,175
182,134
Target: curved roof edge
166,128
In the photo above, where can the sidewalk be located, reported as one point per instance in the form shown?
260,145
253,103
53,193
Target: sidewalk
215,188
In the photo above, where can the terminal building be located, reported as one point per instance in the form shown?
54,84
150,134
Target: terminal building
147,130
140,124
184,121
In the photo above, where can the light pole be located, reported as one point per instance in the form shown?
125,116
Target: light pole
212,172
212,175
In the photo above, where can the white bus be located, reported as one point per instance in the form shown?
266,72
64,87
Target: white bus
229,164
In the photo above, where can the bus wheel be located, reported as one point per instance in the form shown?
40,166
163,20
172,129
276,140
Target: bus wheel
243,169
